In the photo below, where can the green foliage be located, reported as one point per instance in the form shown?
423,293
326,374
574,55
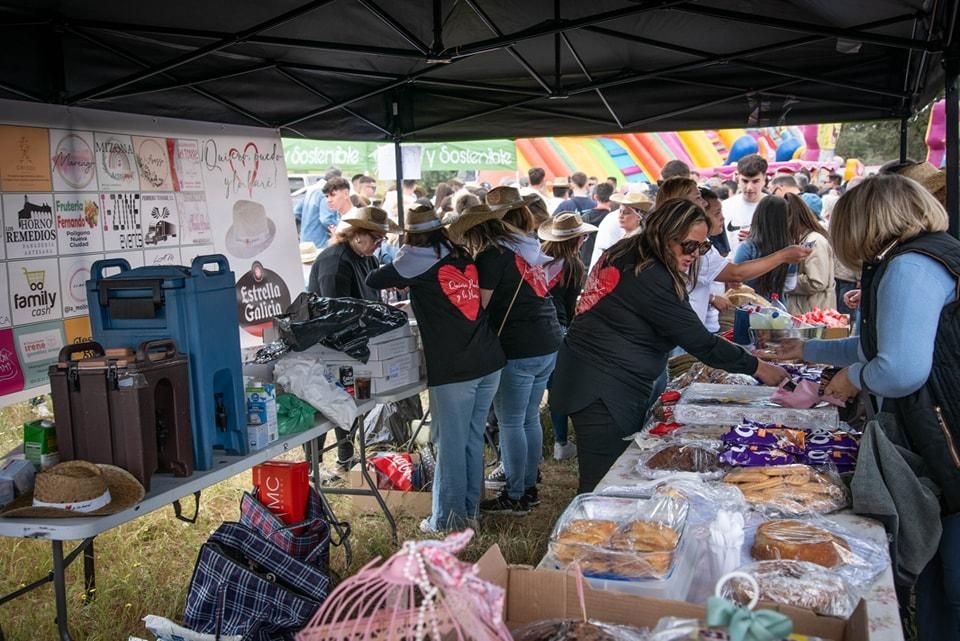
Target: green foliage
877,141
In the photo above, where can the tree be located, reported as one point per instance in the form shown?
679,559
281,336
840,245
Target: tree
877,141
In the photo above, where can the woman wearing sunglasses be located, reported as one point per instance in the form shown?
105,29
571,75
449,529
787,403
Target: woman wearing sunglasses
633,312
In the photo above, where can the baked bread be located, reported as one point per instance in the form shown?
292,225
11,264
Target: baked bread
686,458
797,583
645,536
587,531
562,630
792,489
798,541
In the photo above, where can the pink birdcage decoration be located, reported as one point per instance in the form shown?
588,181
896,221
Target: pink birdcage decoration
421,591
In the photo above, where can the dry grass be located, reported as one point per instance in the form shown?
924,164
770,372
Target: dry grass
144,567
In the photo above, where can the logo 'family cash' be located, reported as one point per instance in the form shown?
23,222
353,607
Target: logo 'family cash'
38,302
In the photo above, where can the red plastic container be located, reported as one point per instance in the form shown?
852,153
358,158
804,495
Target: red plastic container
283,487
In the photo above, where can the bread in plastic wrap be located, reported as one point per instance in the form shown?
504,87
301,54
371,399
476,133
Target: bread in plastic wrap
703,403
791,489
798,584
671,457
574,630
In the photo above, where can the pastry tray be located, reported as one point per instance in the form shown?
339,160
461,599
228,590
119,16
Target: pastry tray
710,404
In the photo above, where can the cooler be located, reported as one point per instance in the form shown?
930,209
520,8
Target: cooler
125,409
195,308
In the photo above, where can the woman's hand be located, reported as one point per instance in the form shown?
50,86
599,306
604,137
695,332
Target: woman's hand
769,374
852,299
840,386
795,253
790,349
721,303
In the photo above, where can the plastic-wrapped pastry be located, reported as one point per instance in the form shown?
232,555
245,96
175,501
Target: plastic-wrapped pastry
568,630
680,458
790,489
799,541
797,583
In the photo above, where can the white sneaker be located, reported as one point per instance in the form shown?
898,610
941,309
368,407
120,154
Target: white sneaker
563,452
426,528
497,479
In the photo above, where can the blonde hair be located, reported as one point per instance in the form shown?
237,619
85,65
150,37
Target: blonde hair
676,187
879,211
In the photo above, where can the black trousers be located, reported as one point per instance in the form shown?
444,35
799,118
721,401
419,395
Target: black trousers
344,447
599,443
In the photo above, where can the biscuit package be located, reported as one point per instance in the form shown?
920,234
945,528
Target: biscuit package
620,538
791,489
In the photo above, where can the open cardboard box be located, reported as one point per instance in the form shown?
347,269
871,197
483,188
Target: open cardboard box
537,594
412,503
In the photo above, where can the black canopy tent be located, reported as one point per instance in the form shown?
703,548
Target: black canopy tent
466,69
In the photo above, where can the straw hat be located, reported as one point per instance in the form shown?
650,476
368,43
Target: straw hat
559,182
252,231
473,216
449,218
507,197
371,219
308,252
75,489
421,219
636,199
564,227
930,177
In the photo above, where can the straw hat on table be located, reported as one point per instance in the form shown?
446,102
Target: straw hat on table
75,489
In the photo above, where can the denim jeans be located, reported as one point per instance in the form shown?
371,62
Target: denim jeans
559,420
938,588
522,385
459,420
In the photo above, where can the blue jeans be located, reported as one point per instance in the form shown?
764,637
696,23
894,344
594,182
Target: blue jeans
459,419
517,403
559,420
938,588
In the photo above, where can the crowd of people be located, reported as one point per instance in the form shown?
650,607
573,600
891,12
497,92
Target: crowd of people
585,288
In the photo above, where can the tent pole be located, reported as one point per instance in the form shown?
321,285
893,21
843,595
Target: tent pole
903,140
952,68
398,155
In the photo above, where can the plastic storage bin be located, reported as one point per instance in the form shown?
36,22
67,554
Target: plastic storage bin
195,308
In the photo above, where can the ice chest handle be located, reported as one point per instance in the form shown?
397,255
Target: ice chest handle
146,349
196,267
96,272
64,358
131,308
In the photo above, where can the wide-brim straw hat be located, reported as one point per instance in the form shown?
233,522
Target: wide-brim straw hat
371,219
506,197
636,199
562,183
564,227
421,219
930,177
308,252
473,216
76,482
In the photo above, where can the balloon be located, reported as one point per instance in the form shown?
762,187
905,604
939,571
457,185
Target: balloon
742,146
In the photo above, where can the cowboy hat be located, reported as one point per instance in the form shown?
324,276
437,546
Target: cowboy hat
932,179
559,182
634,199
420,219
75,489
564,227
473,216
308,252
252,231
449,218
371,219
506,197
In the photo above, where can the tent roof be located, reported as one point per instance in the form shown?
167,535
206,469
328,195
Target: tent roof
467,69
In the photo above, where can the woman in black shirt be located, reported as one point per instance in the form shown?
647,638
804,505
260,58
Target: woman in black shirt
563,239
341,269
632,313
463,356
513,289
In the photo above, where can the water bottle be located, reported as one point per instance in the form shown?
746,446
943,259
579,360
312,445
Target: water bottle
759,320
779,321
777,304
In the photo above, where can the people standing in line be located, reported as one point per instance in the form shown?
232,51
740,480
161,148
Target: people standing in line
563,239
815,286
632,313
595,216
633,207
738,209
769,233
463,358
513,289
894,231
322,209
580,201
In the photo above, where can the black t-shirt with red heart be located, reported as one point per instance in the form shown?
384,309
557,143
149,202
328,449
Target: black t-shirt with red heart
531,327
458,341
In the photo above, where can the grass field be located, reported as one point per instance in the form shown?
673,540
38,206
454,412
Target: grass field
145,566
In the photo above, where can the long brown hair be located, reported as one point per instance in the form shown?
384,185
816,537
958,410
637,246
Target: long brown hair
802,219
575,272
671,221
488,234
435,238
676,187
770,232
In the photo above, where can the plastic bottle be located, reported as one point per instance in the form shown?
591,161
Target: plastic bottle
776,303
759,320
779,321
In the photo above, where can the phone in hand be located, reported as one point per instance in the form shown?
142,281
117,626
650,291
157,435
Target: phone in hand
810,244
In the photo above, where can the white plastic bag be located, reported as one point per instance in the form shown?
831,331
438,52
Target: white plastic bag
305,377
167,630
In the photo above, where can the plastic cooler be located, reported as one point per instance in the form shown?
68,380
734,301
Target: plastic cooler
196,308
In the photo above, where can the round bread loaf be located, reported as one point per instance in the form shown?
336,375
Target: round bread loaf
798,541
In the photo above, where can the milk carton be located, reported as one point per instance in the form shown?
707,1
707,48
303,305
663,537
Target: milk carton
262,411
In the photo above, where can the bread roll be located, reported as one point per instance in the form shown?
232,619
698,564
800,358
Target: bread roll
798,541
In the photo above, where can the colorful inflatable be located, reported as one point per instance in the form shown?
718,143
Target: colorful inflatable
937,134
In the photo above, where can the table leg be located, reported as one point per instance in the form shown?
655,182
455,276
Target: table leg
60,590
313,456
371,483
89,573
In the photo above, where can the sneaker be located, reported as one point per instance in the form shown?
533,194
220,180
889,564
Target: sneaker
532,497
503,504
563,452
496,479
426,528
344,467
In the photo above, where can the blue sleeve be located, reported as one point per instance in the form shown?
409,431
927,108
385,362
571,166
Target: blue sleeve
907,320
298,209
745,252
842,352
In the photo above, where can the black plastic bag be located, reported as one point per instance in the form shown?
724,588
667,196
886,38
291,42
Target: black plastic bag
343,324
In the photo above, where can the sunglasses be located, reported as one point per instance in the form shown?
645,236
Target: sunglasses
691,247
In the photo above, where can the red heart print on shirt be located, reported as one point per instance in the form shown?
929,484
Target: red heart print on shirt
534,275
462,288
601,282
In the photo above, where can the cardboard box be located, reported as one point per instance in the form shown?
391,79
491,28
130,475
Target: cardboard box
836,332
418,504
378,351
402,378
404,331
283,487
40,443
378,369
533,595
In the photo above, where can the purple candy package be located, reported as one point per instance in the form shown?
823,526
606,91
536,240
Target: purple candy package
755,456
766,436
826,440
844,460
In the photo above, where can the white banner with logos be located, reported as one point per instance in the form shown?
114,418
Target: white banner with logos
80,185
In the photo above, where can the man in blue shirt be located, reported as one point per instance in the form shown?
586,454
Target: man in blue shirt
581,201
322,209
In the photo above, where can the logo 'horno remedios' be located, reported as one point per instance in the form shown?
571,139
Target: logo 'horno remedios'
74,161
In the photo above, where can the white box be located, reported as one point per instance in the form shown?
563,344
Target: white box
378,352
401,332
378,369
257,437
262,409
397,379
20,473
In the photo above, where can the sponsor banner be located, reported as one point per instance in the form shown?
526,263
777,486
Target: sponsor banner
34,290
6,319
153,161
122,221
194,219
163,256
78,223
11,374
185,164
116,162
161,220
24,159
78,330
316,156
261,295
37,347
477,154
74,274
73,163
29,225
